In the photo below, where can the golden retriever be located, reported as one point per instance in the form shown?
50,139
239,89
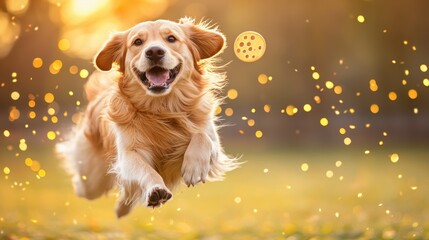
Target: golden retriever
150,120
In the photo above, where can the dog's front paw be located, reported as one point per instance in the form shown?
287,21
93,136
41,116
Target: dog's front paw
158,196
196,162
195,170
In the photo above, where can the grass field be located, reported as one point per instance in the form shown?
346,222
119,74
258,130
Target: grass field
342,195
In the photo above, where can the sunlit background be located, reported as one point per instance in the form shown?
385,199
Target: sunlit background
332,121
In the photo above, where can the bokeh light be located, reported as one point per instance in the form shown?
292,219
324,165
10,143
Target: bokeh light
232,94
338,89
360,19
394,158
49,97
329,174
14,114
6,133
229,112
262,78
83,73
15,95
329,85
291,110
51,135
374,108
307,107
37,62
305,167
347,141
324,122
393,96
6,170
412,94
315,75
373,85
64,44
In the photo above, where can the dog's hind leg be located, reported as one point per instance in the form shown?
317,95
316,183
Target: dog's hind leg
88,166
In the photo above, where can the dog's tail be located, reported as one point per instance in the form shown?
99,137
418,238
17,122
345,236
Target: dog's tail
86,164
223,164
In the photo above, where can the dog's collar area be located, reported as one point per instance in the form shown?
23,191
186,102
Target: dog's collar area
158,79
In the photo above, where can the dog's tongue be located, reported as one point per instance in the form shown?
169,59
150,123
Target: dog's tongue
157,76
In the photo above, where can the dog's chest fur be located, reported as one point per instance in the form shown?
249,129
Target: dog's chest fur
165,138
165,135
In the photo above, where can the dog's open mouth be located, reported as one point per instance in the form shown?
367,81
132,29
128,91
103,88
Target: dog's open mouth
158,79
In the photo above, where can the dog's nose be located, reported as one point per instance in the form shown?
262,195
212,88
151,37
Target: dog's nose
155,53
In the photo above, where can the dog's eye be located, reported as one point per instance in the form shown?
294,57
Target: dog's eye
171,39
138,42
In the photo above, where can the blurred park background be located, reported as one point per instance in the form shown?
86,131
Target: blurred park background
332,121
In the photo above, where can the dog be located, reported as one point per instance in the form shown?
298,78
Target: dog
150,120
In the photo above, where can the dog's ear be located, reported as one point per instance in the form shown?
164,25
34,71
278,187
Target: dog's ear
206,41
113,52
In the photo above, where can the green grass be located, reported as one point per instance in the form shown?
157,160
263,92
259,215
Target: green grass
269,197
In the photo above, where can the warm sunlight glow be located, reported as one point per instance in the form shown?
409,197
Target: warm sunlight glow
83,8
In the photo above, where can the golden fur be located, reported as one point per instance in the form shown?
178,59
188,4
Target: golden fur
147,142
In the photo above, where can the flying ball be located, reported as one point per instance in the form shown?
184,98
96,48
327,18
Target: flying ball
249,46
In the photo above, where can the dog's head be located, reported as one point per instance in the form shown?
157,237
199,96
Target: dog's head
159,54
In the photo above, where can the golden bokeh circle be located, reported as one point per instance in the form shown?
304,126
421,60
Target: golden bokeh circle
249,46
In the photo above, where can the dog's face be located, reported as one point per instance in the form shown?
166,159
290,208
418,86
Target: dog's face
161,53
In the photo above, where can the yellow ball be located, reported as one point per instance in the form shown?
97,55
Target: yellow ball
249,46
